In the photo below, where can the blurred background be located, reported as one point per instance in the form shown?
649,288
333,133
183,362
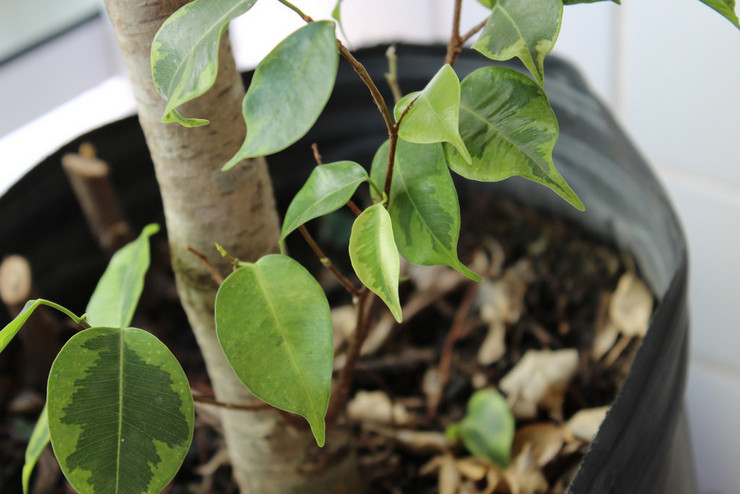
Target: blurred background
668,69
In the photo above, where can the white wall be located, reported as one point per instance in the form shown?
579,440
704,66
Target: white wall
668,68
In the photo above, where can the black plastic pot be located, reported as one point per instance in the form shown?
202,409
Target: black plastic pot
641,446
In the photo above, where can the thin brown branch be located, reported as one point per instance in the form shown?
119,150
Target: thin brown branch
215,275
473,31
365,308
231,406
454,47
346,283
296,10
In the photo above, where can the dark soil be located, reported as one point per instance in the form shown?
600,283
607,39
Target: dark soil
573,274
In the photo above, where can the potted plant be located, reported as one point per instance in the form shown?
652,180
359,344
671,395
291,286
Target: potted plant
272,327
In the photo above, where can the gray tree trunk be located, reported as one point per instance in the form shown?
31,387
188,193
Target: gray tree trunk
236,209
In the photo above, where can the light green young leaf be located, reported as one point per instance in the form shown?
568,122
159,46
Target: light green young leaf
374,256
423,205
120,411
327,189
114,299
487,430
289,90
726,8
36,444
522,28
184,55
435,112
11,329
274,325
336,14
509,128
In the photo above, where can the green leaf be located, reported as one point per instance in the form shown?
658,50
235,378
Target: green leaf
114,299
423,205
487,3
184,55
274,325
522,28
289,90
726,8
374,256
487,430
327,189
120,411
509,128
434,113
36,444
11,329
336,14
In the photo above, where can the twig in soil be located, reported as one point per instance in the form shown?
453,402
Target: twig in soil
365,307
215,275
445,358
90,180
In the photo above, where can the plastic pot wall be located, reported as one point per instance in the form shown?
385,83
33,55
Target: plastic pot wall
641,446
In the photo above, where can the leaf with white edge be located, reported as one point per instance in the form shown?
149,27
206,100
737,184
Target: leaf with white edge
509,128
36,444
726,8
327,189
274,325
120,411
487,430
184,55
423,204
374,256
116,296
522,28
289,90
435,112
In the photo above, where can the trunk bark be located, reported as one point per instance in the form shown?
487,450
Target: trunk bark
236,209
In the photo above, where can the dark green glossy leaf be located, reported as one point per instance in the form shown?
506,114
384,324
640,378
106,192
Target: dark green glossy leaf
36,444
184,54
116,296
434,113
522,28
509,128
726,8
327,189
289,90
274,325
374,256
487,430
423,204
120,411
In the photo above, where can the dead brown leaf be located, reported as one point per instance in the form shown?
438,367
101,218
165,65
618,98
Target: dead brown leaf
631,306
585,424
377,407
540,379
545,440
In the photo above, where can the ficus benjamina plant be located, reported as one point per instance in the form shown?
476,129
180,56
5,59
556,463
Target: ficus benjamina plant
119,410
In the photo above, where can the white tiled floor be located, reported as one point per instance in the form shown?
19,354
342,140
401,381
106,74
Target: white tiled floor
668,68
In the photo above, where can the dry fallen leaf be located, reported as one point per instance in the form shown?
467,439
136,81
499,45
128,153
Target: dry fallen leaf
449,476
585,424
545,440
376,406
422,443
493,346
524,476
343,321
631,306
540,379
